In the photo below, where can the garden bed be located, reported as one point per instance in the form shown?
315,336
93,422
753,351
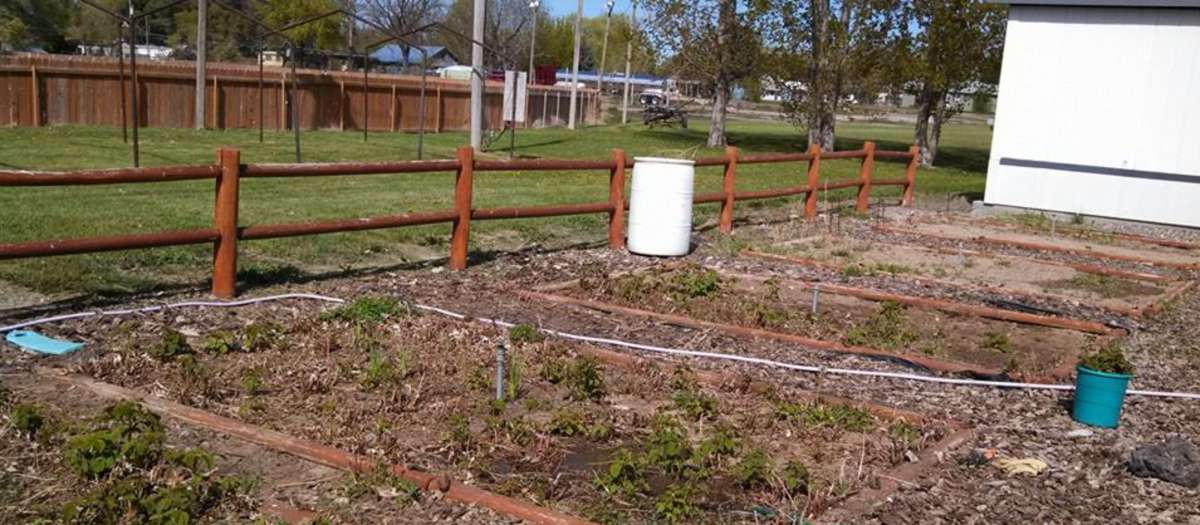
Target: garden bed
855,257
577,431
761,307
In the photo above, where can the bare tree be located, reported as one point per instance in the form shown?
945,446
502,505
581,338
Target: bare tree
710,41
402,16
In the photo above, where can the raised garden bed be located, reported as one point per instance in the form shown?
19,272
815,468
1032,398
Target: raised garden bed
765,308
580,430
972,269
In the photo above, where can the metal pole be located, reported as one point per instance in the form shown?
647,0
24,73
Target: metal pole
295,103
575,65
512,121
201,59
628,61
137,160
121,80
421,109
366,93
533,37
604,48
477,76
261,106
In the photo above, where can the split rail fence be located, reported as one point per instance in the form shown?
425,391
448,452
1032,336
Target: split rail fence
225,232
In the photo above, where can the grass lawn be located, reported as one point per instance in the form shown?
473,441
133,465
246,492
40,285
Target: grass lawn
28,214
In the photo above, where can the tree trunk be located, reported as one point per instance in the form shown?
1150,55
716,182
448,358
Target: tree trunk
716,130
726,18
935,134
929,108
820,110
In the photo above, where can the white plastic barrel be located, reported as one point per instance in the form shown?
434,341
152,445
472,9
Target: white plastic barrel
660,206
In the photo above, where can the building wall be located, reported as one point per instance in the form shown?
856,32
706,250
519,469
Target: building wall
1099,113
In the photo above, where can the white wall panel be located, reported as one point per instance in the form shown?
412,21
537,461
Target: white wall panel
1114,94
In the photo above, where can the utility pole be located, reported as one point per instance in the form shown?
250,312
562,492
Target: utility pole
575,65
629,60
202,60
604,48
533,37
477,76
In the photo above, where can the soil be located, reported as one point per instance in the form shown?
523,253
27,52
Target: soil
1013,274
783,307
1087,480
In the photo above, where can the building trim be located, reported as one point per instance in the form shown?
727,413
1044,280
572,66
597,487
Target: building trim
1100,170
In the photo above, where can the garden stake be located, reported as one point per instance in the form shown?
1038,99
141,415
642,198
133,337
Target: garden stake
500,372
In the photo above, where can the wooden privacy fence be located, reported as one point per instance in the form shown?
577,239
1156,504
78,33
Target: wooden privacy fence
226,232
48,90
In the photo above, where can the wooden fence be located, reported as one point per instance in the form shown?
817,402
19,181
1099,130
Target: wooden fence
48,90
226,231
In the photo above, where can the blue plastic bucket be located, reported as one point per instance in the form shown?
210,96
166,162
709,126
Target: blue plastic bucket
1099,397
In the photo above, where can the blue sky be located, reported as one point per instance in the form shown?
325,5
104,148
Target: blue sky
590,7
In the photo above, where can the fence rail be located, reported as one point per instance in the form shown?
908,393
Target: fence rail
227,172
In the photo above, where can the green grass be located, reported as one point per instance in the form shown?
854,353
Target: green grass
29,214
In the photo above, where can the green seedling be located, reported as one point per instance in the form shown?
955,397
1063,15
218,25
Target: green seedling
368,311
837,416
625,475
675,504
525,334
997,341
887,329
695,405
668,448
795,477
27,419
1110,359
127,436
222,342
585,381
173,344
752,471
567,422
252,381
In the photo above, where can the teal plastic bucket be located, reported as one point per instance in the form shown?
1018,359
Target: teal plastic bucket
1099,397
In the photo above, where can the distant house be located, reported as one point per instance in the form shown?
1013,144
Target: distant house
396,57
1099,110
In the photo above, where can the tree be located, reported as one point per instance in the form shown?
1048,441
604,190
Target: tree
954,44
709,41
323,34
403,16
506,31
229,36
833,48
25,23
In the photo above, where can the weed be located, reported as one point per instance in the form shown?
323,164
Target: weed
905,432
752,471
127,436
887,329
668,448
382,369
1106,286
554,371
585,381
516,430
855,270
173,344
997,341
383,482
368,311
257,337
194,460
795,477
252,380
512,384
1110,359
695,405
567,423
826,415
460,436
675,504
221,342
694,282
524,333
27,419
624,476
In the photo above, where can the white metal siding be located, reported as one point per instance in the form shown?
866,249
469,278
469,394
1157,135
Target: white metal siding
1091,87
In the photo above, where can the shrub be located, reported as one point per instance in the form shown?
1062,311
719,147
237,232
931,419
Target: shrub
585,381
126,436
695,405
752,471
694,282
675,504
624,475
668,448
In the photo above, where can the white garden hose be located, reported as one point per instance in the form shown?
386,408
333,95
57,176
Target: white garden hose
607,341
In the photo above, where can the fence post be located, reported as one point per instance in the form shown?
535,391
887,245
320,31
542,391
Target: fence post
864,187
731,158
36,95
814,175
225,220
462,204
910,175
616,199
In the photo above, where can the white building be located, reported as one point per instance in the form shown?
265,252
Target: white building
1099,110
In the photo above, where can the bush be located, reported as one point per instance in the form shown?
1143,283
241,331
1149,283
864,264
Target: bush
126,436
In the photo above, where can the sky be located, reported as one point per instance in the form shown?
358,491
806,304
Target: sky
590,7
